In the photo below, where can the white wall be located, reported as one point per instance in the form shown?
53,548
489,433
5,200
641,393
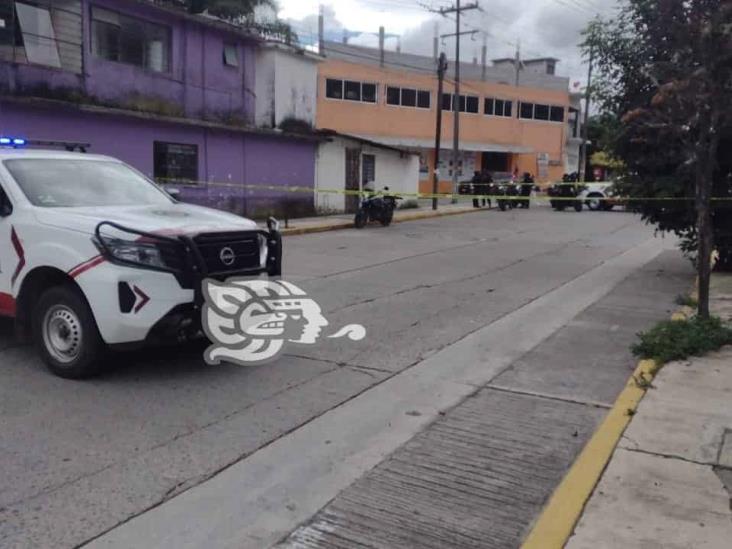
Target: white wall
296,79
264,88
330,173
286,86
398,172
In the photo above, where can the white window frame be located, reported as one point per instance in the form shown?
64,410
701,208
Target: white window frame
39,36
343,90
401,104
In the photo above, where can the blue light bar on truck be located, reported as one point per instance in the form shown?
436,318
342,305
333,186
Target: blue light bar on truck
17,142
14,141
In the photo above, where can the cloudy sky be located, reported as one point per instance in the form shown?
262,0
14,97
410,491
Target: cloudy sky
543,27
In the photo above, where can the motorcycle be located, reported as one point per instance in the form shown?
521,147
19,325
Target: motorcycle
377,207
510,191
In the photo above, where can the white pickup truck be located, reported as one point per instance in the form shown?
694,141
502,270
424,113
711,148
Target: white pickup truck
94,255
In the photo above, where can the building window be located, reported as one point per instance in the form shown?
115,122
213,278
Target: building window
557,114
409,97
498,107
446,102
350,90
393,95
117,37
469,103
334,88
231,55
175,162
508,108
368,93
472,103
461,103
530,111
551,67
527,110
541,112
368,168
39,38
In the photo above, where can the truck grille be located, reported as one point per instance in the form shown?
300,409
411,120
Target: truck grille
225,253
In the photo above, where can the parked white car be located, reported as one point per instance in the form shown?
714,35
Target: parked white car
596,194
95,255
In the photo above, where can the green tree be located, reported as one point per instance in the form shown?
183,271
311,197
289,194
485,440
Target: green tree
602,130
665,71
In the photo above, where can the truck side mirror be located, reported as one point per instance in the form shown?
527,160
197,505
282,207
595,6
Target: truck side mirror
173,192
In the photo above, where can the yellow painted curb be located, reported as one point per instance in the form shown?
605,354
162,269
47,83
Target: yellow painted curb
401,219
558,519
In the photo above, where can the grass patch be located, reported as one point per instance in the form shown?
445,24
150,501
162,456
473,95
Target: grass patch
685,300
679,339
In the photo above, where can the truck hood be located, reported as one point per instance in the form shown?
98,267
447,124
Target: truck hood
173,219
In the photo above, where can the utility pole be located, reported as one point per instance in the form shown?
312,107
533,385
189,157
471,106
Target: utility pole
457,9
435,43
484,57
585,128
321,31
441,70
381,46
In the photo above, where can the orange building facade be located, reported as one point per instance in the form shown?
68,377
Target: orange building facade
504,129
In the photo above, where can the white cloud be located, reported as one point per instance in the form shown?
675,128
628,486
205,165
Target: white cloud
544,27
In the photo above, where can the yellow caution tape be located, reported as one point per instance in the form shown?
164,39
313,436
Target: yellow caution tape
419,195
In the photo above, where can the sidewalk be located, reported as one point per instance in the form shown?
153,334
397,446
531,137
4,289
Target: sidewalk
669,482
317,224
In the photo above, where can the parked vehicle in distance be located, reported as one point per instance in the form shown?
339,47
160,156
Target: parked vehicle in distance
96,256
566,195
376,207
599,196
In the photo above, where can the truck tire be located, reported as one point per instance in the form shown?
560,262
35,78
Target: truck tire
66,334
594,203
361,218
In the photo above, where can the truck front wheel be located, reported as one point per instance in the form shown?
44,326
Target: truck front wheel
66,334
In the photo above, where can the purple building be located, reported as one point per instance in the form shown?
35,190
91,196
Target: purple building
171,93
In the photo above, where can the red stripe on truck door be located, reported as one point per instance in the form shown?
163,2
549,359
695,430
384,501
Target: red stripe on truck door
7,305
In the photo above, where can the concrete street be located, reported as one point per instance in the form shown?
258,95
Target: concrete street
532,312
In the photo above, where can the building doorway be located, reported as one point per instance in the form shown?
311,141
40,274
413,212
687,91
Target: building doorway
353,179
496,162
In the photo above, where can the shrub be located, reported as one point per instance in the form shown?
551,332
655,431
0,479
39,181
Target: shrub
678,339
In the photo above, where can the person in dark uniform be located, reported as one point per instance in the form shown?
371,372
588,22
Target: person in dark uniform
487,180
476,188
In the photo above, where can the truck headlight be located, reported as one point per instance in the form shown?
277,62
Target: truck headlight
140,253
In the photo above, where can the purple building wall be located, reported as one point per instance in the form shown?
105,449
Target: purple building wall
198,83
198,86
227,159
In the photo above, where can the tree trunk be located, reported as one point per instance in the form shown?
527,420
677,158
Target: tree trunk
706,162
706,240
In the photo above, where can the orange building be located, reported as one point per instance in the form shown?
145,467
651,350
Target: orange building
504,128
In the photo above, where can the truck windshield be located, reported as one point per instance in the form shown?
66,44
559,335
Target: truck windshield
62,183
